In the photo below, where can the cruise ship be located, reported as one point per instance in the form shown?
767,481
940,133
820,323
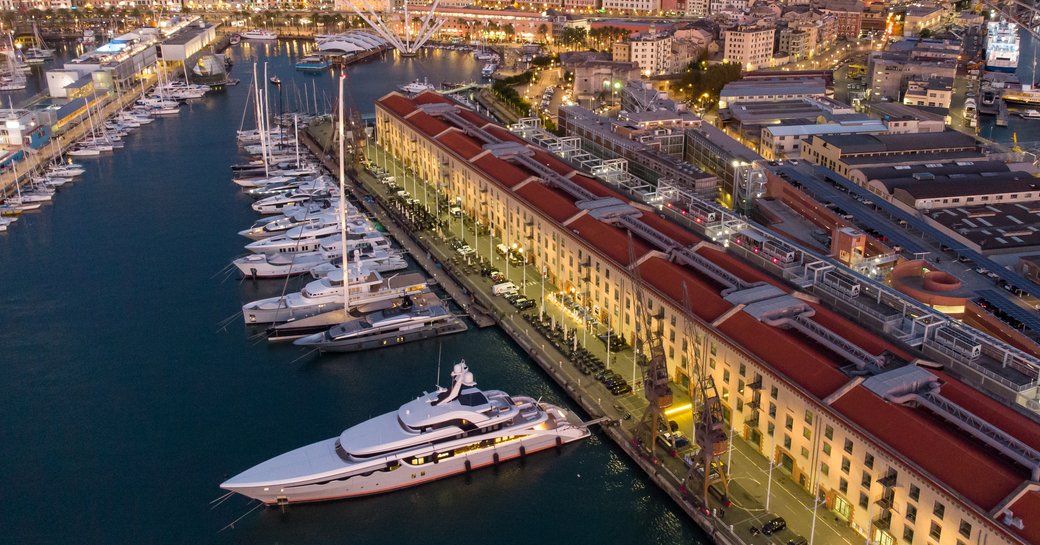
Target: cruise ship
439,434
1002,45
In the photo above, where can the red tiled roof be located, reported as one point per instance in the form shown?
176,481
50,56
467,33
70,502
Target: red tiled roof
429,97
669,278
788,353
397,104
1027,508
855,333
457,141
969,468
596,187
610,241
504,172
1019,426
473,117
552,162
427,123
677,233
742,270
503,134
551,202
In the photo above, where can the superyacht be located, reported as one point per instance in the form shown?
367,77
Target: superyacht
384,328
447,432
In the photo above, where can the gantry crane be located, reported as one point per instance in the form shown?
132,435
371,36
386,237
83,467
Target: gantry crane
710,434
655,370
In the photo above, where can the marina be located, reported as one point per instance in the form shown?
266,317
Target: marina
195,425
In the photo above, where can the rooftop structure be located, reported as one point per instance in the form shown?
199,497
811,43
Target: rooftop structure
844,153
994,228
916,436
771,90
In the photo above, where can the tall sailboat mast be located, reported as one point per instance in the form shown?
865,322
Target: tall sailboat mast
343,198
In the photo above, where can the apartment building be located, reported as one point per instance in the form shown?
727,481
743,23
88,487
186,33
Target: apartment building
632,6
652,51
902,453
751,46
890,71
934,92
849,14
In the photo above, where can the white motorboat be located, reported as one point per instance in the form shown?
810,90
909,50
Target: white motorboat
376,260
290,244
276,203
274,226
318,296
440,434
280,265
1030,114
85,151
417,87
384,328
65,171
259,34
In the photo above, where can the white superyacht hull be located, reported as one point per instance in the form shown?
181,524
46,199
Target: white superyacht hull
377,477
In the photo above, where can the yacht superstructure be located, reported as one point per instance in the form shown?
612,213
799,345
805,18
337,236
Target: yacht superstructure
439,434
1002,46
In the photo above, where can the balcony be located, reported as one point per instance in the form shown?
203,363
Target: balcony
883,522
888,481
756,385
884,502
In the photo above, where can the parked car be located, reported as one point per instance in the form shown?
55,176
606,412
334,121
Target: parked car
466,250
504,288
774,526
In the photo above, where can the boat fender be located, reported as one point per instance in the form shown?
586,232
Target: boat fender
469,466
559,441
494,458
523,452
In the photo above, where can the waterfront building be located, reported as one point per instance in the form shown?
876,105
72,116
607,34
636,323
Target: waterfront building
785,141
890,71
115,66
751,46
632,6
900,118
845,154
898,451
747,119
934,92
21,131
187,42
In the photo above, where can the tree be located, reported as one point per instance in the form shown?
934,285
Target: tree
543,30
574,36
926,33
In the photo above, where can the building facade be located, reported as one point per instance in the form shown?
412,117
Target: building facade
751,46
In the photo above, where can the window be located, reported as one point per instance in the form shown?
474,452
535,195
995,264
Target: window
915,493
743,369
787,441
864,501
911,513
806,432
965,529
845,465
843,486
808,417
865,481
789,423
772,409
939,510
805,453
935,532
773,392
908,534
868,461
848,446
828,432
770,429
826,470
827,448
725,375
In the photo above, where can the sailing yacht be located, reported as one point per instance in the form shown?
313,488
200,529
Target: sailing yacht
439,434
363,286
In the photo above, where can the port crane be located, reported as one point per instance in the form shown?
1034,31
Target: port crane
710,434
655,369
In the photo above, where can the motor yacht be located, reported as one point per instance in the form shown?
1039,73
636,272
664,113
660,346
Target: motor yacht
1030,114
384,328
276,203
447,432
323,295
378,260
259,34
293,242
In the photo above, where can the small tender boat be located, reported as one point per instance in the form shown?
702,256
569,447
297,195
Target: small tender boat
313,63
276,80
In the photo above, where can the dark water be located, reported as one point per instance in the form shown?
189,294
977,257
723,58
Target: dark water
1027,131
124,404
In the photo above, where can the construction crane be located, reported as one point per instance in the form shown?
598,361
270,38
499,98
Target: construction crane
709,431
655,372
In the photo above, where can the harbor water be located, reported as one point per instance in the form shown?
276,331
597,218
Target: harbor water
129,388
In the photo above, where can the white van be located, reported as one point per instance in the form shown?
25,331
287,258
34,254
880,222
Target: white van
504,288
502,249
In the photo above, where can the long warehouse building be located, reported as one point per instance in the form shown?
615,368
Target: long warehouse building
903,452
